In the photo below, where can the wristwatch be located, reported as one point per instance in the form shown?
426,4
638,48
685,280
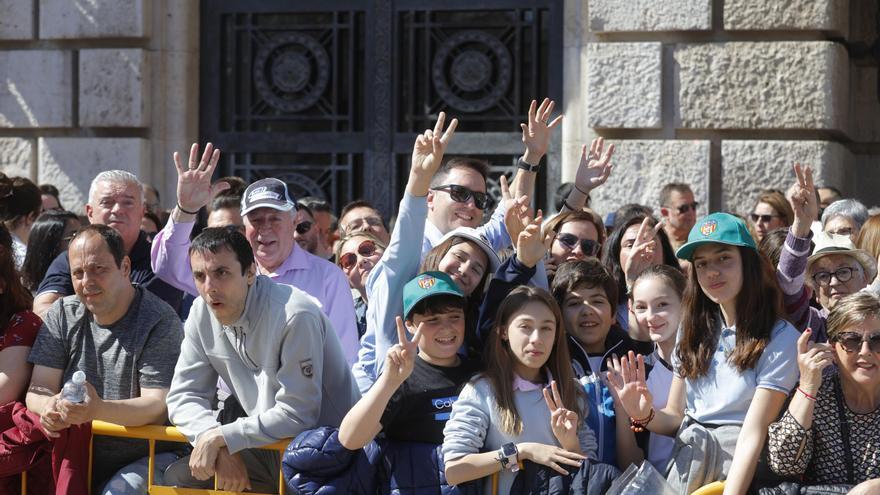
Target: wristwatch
527,166
508,456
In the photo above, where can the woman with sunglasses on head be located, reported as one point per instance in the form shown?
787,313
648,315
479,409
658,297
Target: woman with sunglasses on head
771,212
357,253
577,235
830,433
636,243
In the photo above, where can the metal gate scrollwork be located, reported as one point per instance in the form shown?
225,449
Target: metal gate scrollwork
329,95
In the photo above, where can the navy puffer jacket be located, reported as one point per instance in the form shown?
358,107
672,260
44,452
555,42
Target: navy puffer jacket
316,463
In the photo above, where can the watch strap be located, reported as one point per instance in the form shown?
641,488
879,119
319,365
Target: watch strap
522,164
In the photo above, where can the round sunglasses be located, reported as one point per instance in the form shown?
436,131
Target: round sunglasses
365,249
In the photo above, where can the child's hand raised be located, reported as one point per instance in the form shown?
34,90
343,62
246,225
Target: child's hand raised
564,422
401,358
626,378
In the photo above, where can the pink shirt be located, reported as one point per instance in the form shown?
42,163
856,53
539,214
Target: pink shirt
316,276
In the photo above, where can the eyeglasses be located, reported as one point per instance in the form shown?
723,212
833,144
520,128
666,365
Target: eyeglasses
461,194
844,231
569,241
365,249
852,341
763,218
842,274
303,227
682,209
362,223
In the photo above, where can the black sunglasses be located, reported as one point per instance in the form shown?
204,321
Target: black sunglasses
303,227
588,246
682,209
852,342
461,194
764,218
365,249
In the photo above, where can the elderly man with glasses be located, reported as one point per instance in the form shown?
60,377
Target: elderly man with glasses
269,224
834,270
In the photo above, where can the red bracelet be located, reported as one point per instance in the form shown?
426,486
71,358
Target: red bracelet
639,425
812,398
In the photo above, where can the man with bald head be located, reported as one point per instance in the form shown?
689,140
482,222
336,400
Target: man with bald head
116,199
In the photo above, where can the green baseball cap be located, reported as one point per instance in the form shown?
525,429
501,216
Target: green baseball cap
428,284
722,228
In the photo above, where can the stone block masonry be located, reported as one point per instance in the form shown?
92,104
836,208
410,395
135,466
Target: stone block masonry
623,84
112,88
35,88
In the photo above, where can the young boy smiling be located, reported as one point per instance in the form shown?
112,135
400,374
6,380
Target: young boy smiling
422,377
587,295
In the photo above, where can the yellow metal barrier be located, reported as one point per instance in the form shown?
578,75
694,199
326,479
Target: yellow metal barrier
154,433
716,488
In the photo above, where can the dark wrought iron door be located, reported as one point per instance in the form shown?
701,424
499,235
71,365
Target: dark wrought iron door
329,95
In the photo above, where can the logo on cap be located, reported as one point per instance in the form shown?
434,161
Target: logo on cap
708,228
427,282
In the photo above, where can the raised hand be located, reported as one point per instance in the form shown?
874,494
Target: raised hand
626,378
536,134
594,167
531,243
802,197
194,189
427,155
563,422
401,358
812,359
641,255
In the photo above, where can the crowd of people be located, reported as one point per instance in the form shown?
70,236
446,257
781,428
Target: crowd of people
511,351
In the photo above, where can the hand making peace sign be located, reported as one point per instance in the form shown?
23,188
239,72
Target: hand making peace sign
401,358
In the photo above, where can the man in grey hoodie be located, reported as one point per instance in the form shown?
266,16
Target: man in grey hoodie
276,350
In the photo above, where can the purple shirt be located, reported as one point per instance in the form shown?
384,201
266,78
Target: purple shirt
316,276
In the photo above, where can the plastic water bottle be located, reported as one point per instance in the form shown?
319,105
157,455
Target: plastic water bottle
75,390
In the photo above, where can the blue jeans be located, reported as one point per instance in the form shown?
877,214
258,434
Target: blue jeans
132,479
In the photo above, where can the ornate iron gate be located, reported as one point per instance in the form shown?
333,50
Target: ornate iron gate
328,95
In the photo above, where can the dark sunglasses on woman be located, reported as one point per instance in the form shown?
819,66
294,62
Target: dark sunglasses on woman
852,341
569,241
461,194
365,249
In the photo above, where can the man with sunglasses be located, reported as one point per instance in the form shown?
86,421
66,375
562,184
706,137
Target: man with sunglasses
679,210
269,222
835,269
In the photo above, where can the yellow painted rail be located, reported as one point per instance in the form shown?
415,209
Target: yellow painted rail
153,434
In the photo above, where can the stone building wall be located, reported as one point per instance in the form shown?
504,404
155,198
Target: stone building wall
93,85
723,94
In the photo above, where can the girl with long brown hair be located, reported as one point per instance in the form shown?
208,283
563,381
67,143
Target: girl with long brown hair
734,366
499,419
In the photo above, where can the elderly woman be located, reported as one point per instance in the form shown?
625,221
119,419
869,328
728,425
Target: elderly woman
844,217
357,253
830,433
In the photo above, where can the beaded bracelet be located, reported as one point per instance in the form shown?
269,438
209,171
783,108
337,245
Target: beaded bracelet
639,425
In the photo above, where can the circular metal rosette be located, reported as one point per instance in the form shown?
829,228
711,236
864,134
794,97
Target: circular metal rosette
291,72
471,71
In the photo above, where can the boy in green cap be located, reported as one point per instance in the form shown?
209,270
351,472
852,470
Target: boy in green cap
423,376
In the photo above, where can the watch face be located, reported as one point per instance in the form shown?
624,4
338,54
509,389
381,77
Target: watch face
508,449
